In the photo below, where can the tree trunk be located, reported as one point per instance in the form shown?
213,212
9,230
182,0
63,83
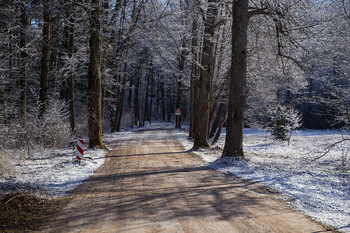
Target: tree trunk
157,100
152,95
136,101
94,78
145,113
106,56
182,61
219,115
23,61
5,108
205,78
141,100
218,132
178,104
130,102
170,108
45,59
237,95
70,91
193,95
211,114
120,102
163,99
6,112
130,93
194,75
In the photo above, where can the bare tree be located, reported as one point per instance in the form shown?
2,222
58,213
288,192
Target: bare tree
201,120
70,51
94,78
46,56
237,94
23,64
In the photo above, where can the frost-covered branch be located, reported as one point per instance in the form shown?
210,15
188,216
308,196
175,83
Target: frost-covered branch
331,147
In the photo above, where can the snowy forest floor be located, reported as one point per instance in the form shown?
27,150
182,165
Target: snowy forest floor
35,186
316,183
319,187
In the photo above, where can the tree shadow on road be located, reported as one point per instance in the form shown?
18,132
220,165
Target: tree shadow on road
156,188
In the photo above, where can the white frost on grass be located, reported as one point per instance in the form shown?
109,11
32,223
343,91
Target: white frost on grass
53,173
319,187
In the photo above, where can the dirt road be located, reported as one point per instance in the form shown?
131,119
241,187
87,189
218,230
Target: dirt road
148,184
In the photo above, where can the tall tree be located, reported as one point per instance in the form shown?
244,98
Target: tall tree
136,100
182,60
202,106
23,64
237,93
70,31
193,81
71,95
94,78
45,56
120,101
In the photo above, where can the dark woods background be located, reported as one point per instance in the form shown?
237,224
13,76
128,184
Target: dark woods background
57,56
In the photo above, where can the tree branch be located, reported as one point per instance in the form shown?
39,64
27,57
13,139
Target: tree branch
345,10
256,11
329,148
218,24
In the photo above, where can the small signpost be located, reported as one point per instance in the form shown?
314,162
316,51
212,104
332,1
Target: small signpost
129,116
80,151
178,118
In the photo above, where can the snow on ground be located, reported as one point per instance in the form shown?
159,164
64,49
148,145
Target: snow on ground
319,185
53,173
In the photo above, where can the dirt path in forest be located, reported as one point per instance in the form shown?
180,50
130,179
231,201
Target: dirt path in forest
148,184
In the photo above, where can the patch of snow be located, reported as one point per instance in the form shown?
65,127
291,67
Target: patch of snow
52,173
319,185
55,172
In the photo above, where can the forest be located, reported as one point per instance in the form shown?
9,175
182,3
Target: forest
86,67
191,111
